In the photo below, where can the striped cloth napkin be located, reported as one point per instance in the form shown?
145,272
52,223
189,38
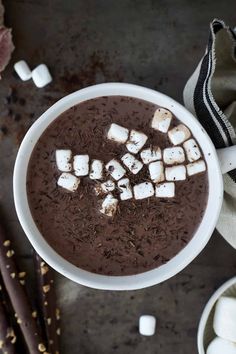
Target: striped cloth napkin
210,94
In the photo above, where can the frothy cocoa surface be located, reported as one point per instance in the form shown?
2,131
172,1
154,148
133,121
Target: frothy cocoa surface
144,233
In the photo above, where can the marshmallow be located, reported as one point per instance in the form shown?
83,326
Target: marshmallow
165,190
105,187
196,167
23,71
179,134
115,169
68,181
221,346
96,170
125,188
156,171
109,205
147,325
132,163
117,133
81,165
151,154
161,120
173,155
63,157
136,141
41,76
175,173
143,190
192,150
224,322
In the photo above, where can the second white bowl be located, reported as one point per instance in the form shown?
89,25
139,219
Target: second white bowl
205,329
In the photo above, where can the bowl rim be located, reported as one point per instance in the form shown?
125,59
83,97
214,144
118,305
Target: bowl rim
131,282
207,310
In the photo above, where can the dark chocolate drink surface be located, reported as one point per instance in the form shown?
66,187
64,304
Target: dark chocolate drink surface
143,233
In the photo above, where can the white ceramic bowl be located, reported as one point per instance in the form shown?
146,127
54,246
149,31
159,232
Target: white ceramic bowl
152,277
205,329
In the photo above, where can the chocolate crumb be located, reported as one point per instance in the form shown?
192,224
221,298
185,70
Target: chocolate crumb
49,321
46,288
22,274
4,129
57,314
34,314
10,253
44,269
11,334
41,347
17,117
22,101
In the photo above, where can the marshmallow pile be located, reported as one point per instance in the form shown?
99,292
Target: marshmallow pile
40,75
224,324
165,167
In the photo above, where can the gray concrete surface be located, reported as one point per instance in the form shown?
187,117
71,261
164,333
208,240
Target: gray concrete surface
153,43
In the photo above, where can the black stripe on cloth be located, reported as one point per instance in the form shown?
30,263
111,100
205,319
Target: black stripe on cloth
207,115
214,111
201,109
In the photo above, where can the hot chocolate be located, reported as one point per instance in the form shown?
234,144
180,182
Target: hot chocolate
117,185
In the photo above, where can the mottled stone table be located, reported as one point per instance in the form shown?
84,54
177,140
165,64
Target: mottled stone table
153,43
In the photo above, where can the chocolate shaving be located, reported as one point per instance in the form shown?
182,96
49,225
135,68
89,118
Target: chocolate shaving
50,312
18,296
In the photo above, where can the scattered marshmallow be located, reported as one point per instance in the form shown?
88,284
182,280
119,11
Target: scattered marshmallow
105,187
81,165
23,71
63,157
132,163
175,173
109,205
179,134
136,141
161,120
96,169
143,190
196,167
224,322
68,181
221,346
115,169
41,76
192,150
165,190
150,155
118,133
173,155
125,188
156,171
147,325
